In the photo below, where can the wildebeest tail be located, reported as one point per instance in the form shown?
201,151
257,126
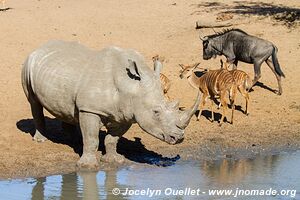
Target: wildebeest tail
276,63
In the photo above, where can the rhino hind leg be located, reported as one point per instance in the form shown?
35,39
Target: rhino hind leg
111,141
89,124
39,121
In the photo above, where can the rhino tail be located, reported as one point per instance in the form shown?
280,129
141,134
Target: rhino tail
26,76
276,63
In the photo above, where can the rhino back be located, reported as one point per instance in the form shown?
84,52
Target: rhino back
67,77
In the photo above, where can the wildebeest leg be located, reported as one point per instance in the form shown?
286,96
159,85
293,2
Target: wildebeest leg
257,73
89,124
115,131
235,63
278,77
230,59
39,121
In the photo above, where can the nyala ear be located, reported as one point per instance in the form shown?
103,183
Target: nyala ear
196,66
222,63
181,65
133,71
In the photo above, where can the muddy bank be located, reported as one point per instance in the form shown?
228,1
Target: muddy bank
59,155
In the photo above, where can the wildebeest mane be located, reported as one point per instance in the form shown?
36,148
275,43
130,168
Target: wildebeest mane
224,31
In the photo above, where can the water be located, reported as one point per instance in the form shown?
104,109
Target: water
262,174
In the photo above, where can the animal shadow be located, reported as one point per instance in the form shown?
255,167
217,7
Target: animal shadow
207,115
217,116
260,84
54,133
4,9
136,151
132,150
288,15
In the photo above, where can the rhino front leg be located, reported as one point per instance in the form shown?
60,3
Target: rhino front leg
39,121
89,124
111,141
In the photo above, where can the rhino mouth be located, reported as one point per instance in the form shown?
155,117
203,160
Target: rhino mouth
170,139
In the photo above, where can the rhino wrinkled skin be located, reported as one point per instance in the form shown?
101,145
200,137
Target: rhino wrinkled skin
112,88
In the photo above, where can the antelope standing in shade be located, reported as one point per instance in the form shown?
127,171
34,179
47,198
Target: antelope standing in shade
212,83
242,80
165,82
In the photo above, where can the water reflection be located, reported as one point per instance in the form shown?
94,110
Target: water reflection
89,185
38,189
229,171
69,189
278,172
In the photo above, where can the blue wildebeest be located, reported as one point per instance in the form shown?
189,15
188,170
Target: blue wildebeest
236,45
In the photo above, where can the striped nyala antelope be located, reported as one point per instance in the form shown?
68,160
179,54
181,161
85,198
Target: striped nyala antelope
211,84
242,81
165,82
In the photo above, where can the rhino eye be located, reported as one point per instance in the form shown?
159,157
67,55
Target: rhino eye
156,114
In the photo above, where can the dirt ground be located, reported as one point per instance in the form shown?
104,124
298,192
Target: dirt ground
151,27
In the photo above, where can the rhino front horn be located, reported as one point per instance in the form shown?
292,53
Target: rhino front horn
188,114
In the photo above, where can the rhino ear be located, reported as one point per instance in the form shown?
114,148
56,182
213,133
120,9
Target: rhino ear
133,71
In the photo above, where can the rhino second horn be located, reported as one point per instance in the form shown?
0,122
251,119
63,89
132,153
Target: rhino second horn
157,67
188,114
174,105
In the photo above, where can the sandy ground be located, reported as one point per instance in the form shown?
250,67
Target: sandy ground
151,27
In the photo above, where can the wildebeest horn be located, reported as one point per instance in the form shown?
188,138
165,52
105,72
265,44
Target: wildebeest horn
202,38
188,114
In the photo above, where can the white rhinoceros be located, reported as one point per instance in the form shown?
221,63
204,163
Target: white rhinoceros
112,88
